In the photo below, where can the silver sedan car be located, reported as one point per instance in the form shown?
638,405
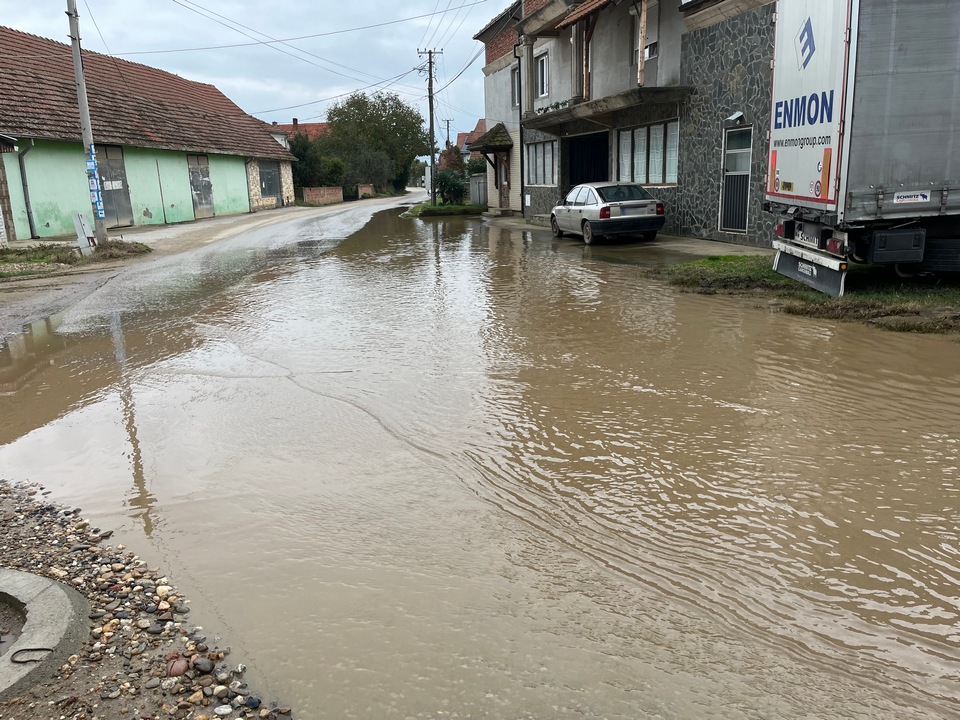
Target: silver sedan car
597,209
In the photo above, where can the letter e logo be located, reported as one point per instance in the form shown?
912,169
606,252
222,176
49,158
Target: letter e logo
806,46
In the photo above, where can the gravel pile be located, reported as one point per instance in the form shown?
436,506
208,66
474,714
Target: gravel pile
142,659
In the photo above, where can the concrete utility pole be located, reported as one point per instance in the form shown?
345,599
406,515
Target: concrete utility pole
93,179
433,144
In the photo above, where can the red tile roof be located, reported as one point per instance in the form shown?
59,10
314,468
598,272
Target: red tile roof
130,104
311,130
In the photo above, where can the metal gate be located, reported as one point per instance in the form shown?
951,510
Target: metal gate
117,210
735,195
270,181
200,186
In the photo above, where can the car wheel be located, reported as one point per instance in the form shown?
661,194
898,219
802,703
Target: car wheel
651,235
557,232
588,236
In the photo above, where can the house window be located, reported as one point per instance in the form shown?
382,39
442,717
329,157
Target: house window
542,163
651,44
515,86
543,75
650,154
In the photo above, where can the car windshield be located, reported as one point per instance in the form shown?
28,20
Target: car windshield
623,193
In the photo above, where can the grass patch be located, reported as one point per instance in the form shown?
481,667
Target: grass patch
428,210
40,254
57,257
875,294
117,250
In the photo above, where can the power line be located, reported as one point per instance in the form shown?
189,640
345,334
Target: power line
429,25
315,102
299,37
282,42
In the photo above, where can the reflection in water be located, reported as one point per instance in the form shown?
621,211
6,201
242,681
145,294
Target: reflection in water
142,501
490,473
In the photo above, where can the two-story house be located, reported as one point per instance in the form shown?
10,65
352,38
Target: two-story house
668,93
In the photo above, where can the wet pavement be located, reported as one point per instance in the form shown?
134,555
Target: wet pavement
441,468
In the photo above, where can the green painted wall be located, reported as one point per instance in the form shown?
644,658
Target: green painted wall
156,174
56,174
228,174
20,222
57,178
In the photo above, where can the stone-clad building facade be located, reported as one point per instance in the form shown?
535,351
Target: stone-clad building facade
674,94
729,64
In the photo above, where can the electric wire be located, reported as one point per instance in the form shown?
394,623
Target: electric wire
282,42
292,39
123,79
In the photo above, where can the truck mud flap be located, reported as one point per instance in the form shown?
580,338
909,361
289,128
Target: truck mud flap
801,266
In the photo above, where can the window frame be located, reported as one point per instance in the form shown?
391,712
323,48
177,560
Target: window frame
661,165
515,85
542,65
537,171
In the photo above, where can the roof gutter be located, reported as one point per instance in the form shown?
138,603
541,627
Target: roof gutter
26,189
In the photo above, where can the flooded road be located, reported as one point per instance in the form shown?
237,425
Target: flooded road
440,469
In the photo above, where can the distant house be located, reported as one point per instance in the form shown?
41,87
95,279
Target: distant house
465,138
311,131
168,149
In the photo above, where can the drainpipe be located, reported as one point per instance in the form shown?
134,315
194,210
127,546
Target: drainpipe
523,207
26,190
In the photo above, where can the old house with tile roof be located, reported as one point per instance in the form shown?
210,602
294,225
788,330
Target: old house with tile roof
168,149
311,131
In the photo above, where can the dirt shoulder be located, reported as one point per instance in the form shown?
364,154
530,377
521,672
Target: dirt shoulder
141,658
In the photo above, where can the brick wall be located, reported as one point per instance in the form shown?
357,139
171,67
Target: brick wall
501,44
365,190
323,195
531,6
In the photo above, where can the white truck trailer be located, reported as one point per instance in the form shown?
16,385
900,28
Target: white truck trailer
864,159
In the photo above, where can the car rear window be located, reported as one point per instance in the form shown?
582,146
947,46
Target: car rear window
623,193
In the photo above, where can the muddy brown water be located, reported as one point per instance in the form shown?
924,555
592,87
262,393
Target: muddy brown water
438,469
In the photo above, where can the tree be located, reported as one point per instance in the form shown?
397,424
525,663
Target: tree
451,159
314,168
450,187
475,166
378,134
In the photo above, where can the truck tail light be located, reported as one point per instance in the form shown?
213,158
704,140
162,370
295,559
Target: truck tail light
605,212
787,229
835,246
660,209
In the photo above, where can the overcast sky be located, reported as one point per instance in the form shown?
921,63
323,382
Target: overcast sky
267,80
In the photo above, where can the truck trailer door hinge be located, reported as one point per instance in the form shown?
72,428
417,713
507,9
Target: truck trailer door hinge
944,194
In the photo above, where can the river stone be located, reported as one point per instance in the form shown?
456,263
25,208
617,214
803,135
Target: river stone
203,665
223,710
152,683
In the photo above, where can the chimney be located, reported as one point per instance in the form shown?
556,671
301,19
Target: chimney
274,122
294,124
